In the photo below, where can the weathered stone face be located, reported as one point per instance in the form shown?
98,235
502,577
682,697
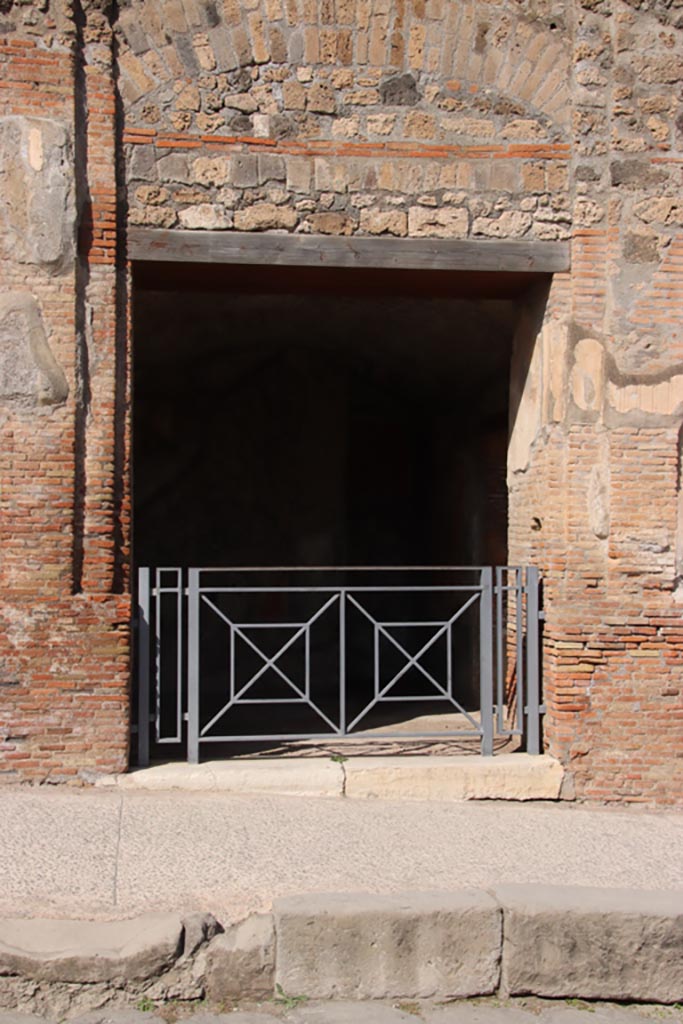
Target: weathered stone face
37,211
29,373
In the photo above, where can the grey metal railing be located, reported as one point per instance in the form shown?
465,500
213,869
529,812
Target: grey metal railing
265,655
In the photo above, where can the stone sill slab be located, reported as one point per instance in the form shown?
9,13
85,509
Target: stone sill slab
503,777
547,941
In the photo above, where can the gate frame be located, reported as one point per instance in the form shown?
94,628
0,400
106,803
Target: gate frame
491,642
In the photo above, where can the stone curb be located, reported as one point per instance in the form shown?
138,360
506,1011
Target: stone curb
549,941
360,946
503,777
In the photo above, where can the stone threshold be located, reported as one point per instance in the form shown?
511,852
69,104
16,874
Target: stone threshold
514,776
546,941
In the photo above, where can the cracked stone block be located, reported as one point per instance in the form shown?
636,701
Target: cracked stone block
29,372
37,207
85,952
198,928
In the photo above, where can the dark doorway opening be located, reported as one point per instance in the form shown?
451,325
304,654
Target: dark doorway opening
292,417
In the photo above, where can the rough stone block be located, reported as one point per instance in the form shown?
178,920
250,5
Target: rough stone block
90,951
510,224
321,98
204,217
142,163
592,943
37,207
244,170
435,223
265,217
211,170
384,222
293,96
29,372
174,167
330,223
400,91
241,963
198,928
299,173
243,102
373,947
271,167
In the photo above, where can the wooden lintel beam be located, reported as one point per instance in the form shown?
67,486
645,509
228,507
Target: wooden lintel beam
170,245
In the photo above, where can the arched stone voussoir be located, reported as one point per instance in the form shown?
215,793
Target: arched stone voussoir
294,68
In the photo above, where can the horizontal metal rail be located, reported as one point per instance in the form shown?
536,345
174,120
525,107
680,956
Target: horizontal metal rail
208,643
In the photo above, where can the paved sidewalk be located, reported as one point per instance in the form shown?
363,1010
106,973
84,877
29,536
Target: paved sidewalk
423,1012
106,854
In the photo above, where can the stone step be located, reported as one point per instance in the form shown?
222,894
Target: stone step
515,776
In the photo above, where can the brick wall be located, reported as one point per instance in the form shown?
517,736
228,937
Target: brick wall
421,118
64,612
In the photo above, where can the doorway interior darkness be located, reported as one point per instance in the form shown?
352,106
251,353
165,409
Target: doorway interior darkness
310,417
316,418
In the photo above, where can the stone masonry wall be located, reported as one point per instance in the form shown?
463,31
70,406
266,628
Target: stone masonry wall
423,118
439,119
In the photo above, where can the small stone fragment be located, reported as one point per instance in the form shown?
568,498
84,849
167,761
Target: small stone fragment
400,91
265,217
241,963
446,223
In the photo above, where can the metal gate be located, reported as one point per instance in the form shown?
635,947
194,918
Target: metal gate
229,655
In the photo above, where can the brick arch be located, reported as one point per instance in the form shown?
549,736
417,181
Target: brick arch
501,73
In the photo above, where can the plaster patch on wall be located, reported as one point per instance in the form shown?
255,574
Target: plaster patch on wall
37,209
29,373
555,339
526,392
587,380
662,399
678,581
538,387
598,502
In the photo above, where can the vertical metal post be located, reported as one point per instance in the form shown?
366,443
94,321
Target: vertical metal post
143,667
193,666
499,627
486,661
533,731
519,648
180,656
158,667
342,663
